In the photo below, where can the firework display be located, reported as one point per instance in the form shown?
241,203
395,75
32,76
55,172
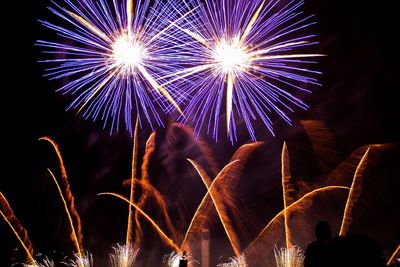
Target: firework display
212,86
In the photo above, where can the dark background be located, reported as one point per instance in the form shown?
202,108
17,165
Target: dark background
359,102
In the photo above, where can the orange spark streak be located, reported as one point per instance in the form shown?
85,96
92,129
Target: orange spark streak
163,236
355,192
294,205
393,255
198,220
218,203
68,193
133,183
71,223
158,88
270,49
286,176
149,189
129,12
323,145
252,21
150,148
90,27
11,219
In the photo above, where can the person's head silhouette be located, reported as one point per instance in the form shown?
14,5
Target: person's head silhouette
323,231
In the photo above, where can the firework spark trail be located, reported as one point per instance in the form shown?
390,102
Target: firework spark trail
133,183
235,262
9,217
74,236
242,154
219,203
115,56
46,262
294,205
393,256
347,167
286,188
161,233
150,148
205,150
289,257
202,212
150,190
354,194
323,144
67,189
206,199
123,256
251,50
85,260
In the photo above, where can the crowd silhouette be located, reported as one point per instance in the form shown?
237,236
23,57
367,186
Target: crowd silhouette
353,250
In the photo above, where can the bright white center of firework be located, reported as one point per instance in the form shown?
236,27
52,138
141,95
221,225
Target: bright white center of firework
230,56
127,53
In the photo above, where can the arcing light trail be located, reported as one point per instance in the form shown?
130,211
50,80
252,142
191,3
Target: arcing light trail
251,54
74,236
67,189
9,217
113,55
163,236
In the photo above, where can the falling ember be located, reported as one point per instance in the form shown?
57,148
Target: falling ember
123,256
161,233
9,217
354,193
74,237
67,189
289,257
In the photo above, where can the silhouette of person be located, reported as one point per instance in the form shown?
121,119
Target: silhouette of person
315,252
353,250
183,262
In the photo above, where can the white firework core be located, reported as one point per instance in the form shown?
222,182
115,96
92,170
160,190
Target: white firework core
127,53
231,56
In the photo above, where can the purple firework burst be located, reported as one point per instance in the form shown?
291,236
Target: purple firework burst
251,55
114,55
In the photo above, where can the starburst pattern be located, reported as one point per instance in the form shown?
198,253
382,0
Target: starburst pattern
112,55
251,55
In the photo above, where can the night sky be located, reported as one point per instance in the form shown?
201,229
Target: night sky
358,102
